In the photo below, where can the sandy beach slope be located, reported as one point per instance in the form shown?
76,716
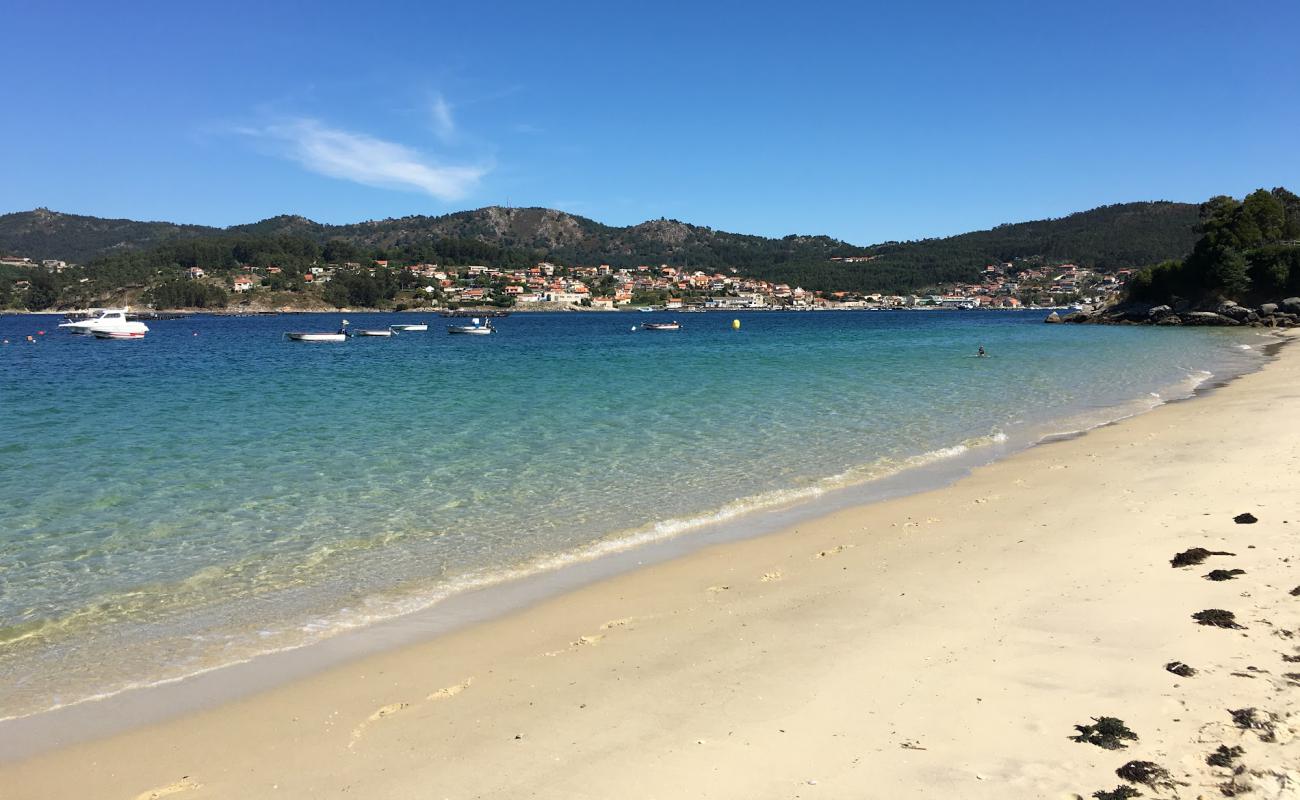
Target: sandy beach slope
939,645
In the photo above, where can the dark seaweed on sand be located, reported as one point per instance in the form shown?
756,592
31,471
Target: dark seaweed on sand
1245,519
1224,574
1252,719
1180,669
1194,556
1118,793
1224,756
1147,773
1218,618
1108,732
1295,592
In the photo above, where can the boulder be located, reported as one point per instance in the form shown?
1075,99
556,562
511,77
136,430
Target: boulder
1159,312
1268,308
1231,309
1077,317
1291,305
1207,318
1170,319
1053,318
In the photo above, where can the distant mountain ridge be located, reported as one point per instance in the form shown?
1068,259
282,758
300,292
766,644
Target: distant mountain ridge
1130,234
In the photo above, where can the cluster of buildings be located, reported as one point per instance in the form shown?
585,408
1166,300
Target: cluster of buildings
49,264
1000,286
1006,285
1011,285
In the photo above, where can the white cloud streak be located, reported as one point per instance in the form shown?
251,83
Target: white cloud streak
443,123
364,159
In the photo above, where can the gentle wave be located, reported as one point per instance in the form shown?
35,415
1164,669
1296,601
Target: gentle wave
381,608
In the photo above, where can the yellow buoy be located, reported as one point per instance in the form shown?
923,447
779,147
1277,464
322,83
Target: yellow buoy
735,324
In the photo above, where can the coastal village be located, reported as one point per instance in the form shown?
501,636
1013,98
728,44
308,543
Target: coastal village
549,286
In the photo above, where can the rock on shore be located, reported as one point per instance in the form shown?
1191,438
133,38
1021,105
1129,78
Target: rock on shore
1282,314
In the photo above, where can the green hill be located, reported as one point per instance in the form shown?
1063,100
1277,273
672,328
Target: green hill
1110,237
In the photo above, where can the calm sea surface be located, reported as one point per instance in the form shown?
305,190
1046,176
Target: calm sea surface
214,491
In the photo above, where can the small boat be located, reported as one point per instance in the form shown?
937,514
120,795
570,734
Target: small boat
410,326
120,329
317,337
341,335
85,322
478,328
662,326
374,332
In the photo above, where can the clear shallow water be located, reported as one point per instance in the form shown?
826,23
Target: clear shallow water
186,501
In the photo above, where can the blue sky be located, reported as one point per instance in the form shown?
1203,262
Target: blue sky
866,121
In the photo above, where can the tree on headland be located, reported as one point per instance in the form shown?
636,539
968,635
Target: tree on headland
1248,250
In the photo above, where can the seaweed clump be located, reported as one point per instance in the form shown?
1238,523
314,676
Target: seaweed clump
1108,733
1245,519
1194,556
1263,723
1224,756
1295,592
1180,669
1120,792
1218,618
1147,773
1224,574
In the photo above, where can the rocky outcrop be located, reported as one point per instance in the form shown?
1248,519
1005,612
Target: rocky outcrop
1282,314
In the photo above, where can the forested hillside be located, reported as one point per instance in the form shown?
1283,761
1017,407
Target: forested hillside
1111,237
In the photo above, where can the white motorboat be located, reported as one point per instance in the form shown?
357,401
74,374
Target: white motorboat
115,325
411,326
662,326
317,337
341,335
374,332
85,323
477,328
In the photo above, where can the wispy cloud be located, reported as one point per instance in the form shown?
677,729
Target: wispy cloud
529,128
367,160
443,123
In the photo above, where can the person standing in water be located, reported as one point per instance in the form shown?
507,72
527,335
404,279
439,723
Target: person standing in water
982,354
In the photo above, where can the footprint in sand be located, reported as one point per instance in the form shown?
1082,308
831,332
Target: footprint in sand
451,691
580,642
380,713
625,622
768,577
834,551
182,785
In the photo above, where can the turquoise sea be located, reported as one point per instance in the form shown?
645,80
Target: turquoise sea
214,492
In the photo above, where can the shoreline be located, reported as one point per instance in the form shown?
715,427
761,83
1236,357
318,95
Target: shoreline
449,609
683,647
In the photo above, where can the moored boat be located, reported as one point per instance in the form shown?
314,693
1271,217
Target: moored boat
373,332
316,337
477,328
341,335
662,326
113,324
410,326
127,330
85,322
